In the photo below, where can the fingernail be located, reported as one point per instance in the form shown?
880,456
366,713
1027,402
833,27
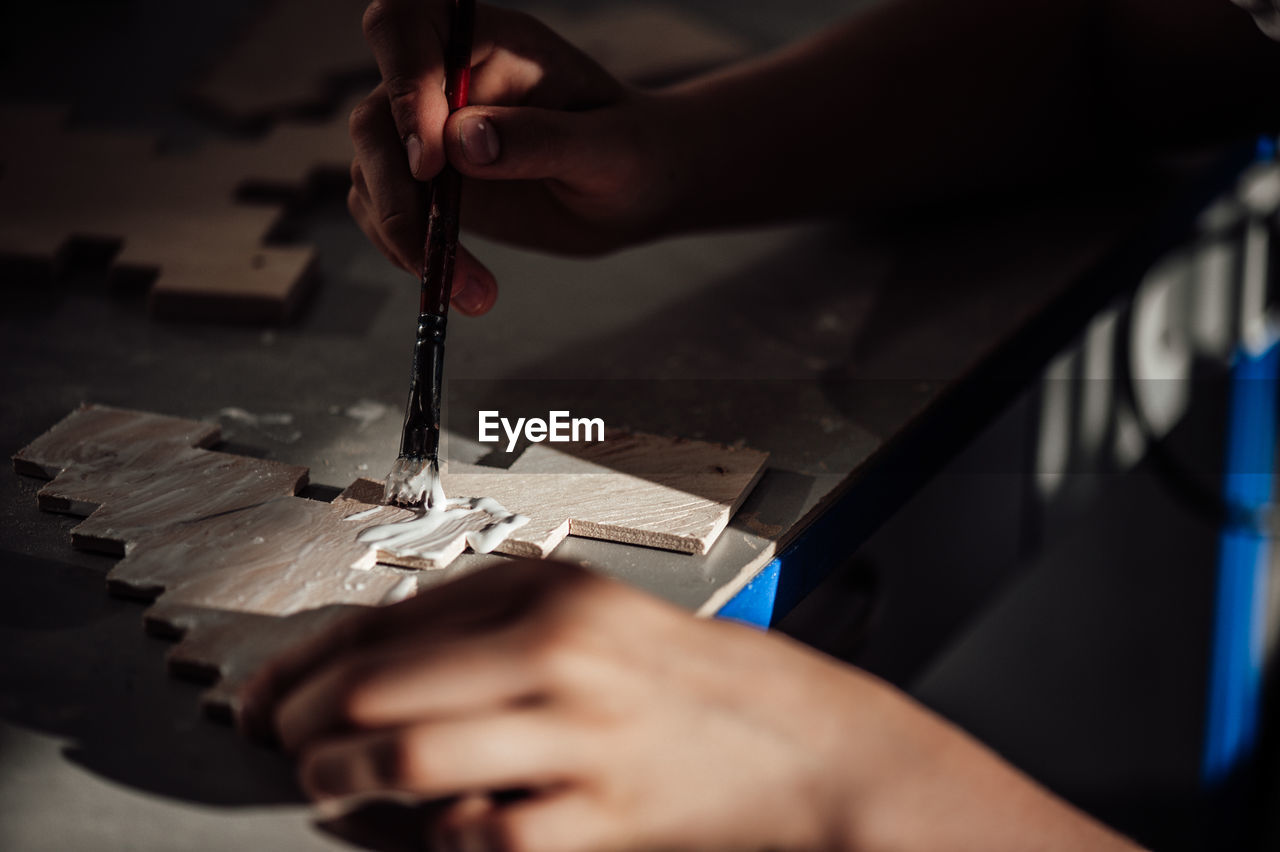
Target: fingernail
471,298
414,146
479,140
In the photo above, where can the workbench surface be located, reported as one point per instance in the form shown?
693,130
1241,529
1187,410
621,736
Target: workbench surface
100,748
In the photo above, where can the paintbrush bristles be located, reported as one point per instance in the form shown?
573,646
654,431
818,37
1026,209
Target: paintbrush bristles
414,482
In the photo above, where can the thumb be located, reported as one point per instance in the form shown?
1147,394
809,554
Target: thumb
526,143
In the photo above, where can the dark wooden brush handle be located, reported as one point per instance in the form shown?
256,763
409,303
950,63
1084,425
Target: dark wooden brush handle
421,435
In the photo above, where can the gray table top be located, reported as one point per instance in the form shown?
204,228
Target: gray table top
99,744
101,749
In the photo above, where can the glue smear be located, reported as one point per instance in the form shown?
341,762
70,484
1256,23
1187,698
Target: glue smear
483,521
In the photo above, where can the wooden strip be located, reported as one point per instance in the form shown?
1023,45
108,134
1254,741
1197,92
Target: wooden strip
238,566
635,489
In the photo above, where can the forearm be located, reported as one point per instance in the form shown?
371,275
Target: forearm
909,102
937,788
920,783
916,101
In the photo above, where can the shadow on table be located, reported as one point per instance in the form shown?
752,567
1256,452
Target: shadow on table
77,666
386,826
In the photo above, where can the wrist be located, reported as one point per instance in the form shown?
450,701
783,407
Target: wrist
721,135
923,783
664,180
881,775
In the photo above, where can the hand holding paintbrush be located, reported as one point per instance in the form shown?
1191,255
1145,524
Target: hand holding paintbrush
415,476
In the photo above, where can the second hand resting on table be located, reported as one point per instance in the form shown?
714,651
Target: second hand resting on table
635,726
627,723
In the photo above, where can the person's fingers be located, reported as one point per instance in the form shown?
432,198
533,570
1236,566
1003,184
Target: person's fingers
561,820
512,54
395,683
394,198
461,824
524,62
516,59
492,595
407,39
526,143
262,693
523,748
364,218
358,183
474,288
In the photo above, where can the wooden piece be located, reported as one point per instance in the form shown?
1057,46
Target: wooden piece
224,648
211,537
636,489
297,54
237,566
292,57
176,216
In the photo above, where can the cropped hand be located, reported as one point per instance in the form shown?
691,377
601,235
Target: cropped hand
628,724
555,153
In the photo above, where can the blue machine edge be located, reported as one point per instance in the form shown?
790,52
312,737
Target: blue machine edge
1237,648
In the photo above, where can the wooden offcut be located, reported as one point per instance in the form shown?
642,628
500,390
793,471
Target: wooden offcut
631,488
176,217
291,57
236,566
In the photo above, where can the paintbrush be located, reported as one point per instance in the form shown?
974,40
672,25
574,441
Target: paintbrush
415,476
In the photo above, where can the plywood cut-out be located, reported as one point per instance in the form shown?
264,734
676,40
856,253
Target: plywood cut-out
218,541
290,58
636,489
296,54
176,216
237,566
